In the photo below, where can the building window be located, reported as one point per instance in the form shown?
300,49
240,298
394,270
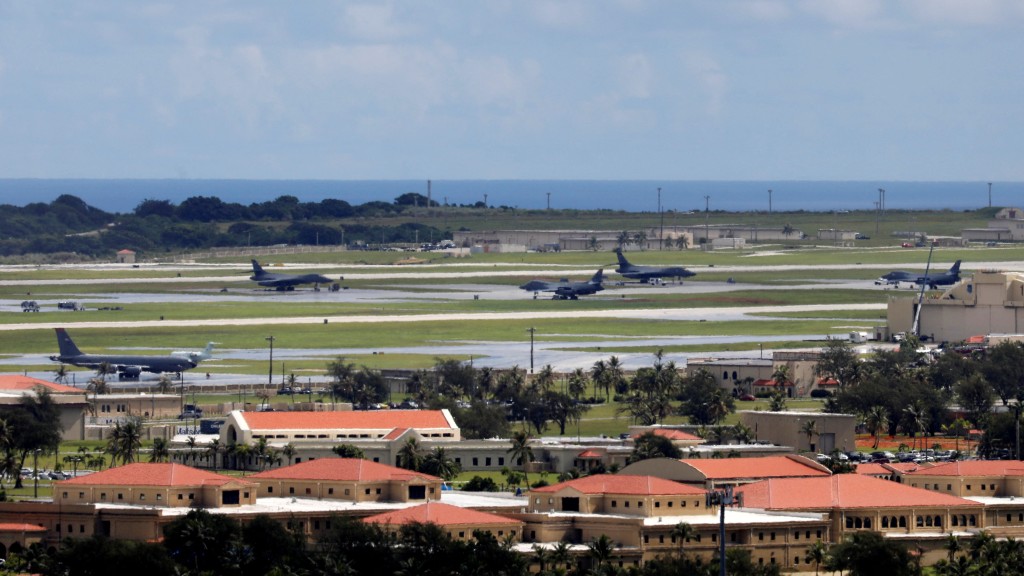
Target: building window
487,461
615,503
346,491
657,504
291,489
949,487
501,460
159,497
310,491
191,496
181,496
142,496
378,491
476,461
367,491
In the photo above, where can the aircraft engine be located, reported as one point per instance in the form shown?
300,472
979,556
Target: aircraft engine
130,372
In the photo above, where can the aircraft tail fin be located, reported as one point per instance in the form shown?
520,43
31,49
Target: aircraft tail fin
257,270
598,278
66,344
955,270
623,263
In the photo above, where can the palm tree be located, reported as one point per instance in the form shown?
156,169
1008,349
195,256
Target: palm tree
191,443
742,433
74,460
60,374
683,242
683,531
616,373
640,238
953,547
593,244
601,550
160,452
289,452
623,239
788,230
876,421
811,430
440,463
125,440
578,383
213,449
817,553
915,419
777,401
598,374
522,452
541,556
164,384
409,456
560,554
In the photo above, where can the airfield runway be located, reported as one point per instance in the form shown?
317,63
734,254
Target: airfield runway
561,355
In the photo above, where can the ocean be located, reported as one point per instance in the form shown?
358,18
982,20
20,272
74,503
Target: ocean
628,195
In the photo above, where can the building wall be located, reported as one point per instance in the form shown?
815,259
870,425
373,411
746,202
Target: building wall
835,431
990,302
382,491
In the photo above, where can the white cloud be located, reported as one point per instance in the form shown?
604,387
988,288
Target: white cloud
559,14
765,10
845,13
961,12
374,22
634,76
713,81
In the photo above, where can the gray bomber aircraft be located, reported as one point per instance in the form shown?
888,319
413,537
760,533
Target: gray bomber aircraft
284,281
566,290
128,367
645,273
951,276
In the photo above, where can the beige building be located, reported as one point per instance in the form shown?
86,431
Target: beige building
350,479
71,401
989,302
1007,226
710,473
558,240
830,431
458,523
640,514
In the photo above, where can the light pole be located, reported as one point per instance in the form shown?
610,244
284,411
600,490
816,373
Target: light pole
661,235
989,194
531,330
707,234
270,364
35,472
769,200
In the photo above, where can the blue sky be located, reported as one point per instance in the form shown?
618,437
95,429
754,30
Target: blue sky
513,89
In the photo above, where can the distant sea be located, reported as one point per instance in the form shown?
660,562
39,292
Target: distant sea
627,195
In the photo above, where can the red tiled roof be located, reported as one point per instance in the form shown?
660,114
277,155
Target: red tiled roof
770,382
671,434
873,469
765,467
828,382
973,468
441,515
341,469
906,467
396,433
841,491
21,383
151,474
368,419
14,527
622,484
590,454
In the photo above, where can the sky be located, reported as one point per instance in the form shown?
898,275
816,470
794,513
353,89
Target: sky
925,90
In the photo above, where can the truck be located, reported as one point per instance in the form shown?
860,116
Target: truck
859,337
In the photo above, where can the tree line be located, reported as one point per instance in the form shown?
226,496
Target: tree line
69,226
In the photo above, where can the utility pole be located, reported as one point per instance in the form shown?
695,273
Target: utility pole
549,200
769,201
531,330
270,365
989,194
485,200
661,235
707,237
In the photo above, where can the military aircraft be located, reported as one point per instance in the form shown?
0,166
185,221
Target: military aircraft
196,356
566,290
933,281
127,367
646,273
284,281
